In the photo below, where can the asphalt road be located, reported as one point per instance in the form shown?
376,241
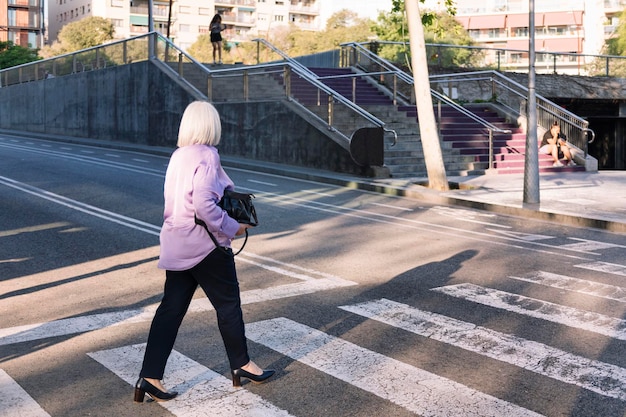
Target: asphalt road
365,304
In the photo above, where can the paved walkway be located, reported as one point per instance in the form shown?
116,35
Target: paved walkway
586,199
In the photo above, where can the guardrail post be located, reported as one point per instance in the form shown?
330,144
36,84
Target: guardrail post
287,78
125,52
354,90
246,90
330,110
607,66
151,47
209,87
490,149
180,64
395,89
554,63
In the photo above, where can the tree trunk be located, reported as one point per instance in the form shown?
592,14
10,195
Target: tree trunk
426,116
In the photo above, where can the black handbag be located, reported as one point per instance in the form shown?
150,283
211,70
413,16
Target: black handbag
238,206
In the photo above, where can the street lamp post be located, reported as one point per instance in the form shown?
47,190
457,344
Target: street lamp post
531,159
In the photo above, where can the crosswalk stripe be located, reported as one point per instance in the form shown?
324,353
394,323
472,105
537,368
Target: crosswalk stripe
604,267
563,282
407,386
92,322
16,401
580,319
603,378
200,389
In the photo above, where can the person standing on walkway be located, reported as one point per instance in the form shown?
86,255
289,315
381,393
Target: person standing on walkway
555,143
216,29
194,184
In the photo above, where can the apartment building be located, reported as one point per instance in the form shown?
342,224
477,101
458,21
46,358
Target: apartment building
244,19
22,23
568,26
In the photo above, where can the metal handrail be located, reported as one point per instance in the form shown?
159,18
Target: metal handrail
441,98
310,76
575,127
300,70
161,49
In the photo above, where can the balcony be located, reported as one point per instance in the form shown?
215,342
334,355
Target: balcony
249,3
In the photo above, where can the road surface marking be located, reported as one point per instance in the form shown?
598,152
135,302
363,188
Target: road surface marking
604,267
16,401
596,376
563,282
589,245
92,322
414,389
568,316
200,389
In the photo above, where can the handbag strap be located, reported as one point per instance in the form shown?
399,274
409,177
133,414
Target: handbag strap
217,245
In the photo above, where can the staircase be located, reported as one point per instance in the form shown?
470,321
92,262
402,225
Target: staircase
461,133
464,142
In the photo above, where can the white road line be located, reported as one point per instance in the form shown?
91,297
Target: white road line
568,316
92,322
262,183
15,401
407,386
599,377
455,232
91,160
466,216
392,207
563,282
604,267
528,237
201,391
140,160
589,245
316,193
82,207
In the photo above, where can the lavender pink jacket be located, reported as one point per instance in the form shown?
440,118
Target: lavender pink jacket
194,183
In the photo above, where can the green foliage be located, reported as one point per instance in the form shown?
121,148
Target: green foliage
201,49
12,55
82,34
440,28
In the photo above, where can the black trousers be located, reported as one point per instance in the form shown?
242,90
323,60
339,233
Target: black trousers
217,276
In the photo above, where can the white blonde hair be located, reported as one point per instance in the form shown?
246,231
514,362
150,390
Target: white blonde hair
200,125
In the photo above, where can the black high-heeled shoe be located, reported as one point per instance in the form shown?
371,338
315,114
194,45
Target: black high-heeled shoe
258,379
142,387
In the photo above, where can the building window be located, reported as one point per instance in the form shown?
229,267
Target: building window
279,18
118,23
184,28
205,11
185,9
521,32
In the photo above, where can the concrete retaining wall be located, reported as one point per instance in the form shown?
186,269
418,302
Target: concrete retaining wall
139,103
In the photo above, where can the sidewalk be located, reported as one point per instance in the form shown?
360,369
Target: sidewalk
584,199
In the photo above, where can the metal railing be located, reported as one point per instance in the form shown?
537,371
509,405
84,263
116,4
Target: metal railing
493,86
246,83
401,85
449,56
302,71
